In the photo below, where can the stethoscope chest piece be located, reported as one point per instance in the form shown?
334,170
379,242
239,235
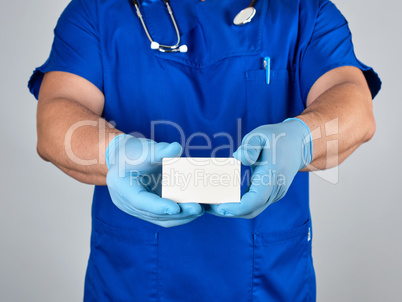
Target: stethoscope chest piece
244,16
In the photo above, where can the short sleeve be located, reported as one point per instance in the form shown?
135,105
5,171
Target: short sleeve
76,47
330,47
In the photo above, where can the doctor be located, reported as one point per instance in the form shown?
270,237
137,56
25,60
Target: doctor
125,80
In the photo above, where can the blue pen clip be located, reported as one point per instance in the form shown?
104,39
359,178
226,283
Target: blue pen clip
267,67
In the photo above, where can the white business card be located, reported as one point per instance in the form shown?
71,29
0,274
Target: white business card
201,180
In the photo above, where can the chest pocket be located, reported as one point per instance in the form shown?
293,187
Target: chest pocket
268,103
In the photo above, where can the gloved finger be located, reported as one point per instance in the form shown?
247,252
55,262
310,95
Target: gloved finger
184,214
166,150
188,211
250,149
164,220
191,208
152,203
249,202
135,196
174,222
260,190
141,153
213,209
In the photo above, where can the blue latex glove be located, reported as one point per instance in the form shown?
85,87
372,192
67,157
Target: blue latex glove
275,153
134,181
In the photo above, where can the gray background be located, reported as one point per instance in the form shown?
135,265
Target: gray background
45,215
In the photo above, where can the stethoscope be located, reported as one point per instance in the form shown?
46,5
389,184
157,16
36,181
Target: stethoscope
243,17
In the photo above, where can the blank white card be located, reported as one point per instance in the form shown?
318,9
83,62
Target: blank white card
201,180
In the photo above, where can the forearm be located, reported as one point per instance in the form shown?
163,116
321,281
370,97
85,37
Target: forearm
74,139
340,119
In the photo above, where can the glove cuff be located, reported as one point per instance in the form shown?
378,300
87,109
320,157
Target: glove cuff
110,154
307,142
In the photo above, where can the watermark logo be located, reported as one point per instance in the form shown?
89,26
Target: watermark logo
325,137
328,134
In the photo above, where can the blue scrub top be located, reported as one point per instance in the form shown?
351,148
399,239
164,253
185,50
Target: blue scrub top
218,88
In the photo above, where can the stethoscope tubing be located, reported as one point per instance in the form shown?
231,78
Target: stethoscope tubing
154,44
243,17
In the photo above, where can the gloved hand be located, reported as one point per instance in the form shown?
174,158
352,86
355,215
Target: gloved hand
275,153
134,181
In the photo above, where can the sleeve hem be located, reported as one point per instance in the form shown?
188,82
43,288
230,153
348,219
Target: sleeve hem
371,76
36,79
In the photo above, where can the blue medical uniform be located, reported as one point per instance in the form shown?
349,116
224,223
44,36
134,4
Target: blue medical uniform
218,88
